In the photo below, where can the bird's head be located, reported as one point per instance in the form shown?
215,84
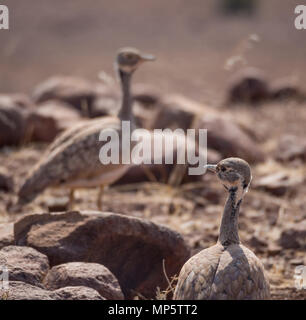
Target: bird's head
234,174
129,59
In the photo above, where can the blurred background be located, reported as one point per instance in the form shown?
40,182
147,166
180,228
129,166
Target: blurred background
192,40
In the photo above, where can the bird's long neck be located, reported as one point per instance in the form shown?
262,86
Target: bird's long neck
125,113
229,224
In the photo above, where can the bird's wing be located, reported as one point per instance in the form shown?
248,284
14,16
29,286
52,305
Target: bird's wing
76,157
69,133
197,275
240,275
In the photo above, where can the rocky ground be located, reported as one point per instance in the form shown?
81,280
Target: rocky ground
198,52
272,219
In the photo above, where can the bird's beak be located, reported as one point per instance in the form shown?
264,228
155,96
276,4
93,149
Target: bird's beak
211,167
147,57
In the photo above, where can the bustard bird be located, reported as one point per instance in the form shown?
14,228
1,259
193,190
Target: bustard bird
227,270
72,160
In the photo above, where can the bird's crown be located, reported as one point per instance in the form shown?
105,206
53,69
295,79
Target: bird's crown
128,58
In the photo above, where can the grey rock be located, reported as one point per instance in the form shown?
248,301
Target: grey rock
132,249
92,275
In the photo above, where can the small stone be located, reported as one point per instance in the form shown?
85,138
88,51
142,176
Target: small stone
57,204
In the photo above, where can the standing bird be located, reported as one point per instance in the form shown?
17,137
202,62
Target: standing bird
72,160
227,270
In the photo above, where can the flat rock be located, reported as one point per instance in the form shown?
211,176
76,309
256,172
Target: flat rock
76,293
131,248
6,234
25,264
294,236
92,275
225,136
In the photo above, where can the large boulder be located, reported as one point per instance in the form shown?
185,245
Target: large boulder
225,136
92,275
132,249
25,264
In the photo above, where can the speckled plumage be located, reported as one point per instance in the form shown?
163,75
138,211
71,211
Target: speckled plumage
74,162
223,273
227,270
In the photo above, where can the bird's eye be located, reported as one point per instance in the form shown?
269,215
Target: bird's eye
223,169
